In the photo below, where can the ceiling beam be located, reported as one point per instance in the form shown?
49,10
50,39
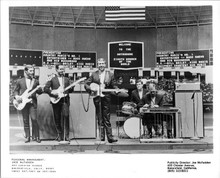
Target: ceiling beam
57,15
100,15
93,13
35,12
148,13
192,12
71,9
171,14
80,12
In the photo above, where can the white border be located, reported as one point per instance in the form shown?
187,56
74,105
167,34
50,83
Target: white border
115,42
108,166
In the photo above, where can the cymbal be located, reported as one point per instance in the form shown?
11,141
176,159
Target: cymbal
122,94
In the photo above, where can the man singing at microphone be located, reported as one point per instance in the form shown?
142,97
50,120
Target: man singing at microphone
102,104
60,109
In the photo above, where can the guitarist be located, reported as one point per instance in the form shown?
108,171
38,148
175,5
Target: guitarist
30,109
102,77
59,81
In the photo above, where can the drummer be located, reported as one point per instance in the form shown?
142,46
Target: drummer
137,95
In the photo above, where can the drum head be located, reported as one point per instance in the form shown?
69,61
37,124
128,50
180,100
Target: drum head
132,127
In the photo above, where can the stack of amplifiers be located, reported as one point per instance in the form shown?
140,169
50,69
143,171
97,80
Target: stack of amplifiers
188,97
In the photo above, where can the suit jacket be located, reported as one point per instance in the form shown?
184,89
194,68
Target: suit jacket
109,80
54,84
21,87
135,96
159,100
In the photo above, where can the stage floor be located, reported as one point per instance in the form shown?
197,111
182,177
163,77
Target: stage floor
124,145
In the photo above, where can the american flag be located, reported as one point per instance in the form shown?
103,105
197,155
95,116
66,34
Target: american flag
123,13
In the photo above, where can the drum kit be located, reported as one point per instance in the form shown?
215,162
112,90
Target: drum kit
132,125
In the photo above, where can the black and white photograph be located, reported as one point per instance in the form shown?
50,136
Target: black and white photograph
109,89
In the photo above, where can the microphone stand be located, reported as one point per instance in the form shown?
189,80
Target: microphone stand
100,117
195,137
63,142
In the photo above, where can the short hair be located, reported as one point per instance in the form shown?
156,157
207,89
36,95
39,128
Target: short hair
152,87
28,67
101,59
57,66
139,81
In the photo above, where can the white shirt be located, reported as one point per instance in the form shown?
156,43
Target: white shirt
140,93
153,101
61,81
102,77
29,83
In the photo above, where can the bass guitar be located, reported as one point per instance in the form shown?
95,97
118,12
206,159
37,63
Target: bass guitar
20,103
98,90
61,92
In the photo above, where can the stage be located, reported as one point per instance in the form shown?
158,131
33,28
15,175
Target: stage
124,145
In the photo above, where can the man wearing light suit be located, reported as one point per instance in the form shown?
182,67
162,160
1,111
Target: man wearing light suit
101,77
30,109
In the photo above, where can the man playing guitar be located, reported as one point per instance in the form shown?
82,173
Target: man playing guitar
102,103
53,87
27,84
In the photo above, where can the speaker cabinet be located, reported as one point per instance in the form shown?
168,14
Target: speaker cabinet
191,106
83,123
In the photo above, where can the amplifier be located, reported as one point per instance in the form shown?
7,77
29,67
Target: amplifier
187,86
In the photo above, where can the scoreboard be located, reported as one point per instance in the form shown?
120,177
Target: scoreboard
183,58
42,58
71,59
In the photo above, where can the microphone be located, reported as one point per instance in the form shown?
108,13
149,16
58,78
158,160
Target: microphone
193,95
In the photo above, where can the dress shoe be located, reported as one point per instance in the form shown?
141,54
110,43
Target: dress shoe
28,140
67,139
112,140
38,140
58,138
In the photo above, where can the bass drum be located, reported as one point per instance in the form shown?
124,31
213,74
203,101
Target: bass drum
133,127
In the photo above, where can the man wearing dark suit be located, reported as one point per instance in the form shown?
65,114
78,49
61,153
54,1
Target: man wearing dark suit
61,108
30,109
137,94
102,104
151,100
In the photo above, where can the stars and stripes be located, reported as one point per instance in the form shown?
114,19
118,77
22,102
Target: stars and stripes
124,13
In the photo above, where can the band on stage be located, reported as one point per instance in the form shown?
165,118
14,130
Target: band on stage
101,84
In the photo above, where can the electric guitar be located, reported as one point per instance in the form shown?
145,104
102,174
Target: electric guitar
98,90
60,91
19,104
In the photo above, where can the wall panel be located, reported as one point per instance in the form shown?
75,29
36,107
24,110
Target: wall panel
70,39
205,37
85,40
42,38
187,38
63,39
166,39
20,37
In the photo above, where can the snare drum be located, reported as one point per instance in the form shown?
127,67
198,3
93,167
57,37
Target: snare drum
128,108
133,127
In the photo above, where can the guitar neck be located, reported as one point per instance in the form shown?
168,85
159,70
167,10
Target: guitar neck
33,91
109,90
73,84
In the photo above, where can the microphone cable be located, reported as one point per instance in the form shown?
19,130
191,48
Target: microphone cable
84,107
